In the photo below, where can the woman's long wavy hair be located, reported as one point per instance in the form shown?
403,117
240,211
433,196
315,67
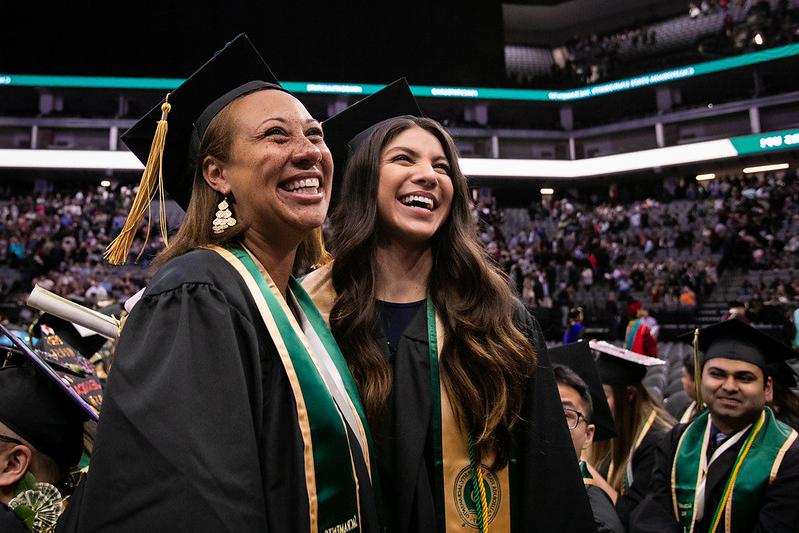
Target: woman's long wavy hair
485,359
633,404
196,230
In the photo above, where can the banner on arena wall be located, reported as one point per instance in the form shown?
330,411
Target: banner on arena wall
428,91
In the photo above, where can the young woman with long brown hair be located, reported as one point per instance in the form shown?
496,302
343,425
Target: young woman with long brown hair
452,370
623,465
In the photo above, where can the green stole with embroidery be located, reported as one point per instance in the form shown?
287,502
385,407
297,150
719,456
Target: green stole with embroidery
330,477
755,467
459,502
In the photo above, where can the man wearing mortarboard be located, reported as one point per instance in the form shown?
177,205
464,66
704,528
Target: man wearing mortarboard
735,467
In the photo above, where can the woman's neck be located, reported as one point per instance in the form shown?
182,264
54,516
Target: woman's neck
277,258
402,273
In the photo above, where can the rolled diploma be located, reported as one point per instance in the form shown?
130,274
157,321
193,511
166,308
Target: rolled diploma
79,315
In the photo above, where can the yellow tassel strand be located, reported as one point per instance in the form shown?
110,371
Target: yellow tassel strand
152,181
324,255
697,373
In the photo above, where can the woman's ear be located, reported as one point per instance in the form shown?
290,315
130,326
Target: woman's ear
214,174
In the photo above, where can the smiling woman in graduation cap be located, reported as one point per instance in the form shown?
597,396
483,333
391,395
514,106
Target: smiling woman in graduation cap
454,373
230,407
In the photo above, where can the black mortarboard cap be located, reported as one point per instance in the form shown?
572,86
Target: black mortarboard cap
234,71
578,357
344,130
618,366
38,407
734,339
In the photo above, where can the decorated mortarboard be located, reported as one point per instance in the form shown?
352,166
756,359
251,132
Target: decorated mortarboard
347,129
83,340
618,366
62,365
578,357
40,406
167,137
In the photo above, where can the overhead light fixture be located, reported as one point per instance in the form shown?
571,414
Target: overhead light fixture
105,183
705,177
546,191
766,168
759,39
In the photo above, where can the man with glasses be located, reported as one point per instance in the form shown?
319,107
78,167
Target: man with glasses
588,418
41,434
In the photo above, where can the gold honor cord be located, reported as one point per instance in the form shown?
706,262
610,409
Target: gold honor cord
152,182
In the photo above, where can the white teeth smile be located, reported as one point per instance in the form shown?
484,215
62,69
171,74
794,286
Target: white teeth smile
309,185
414,200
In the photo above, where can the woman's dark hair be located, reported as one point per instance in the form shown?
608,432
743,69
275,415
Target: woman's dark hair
485,360
196,230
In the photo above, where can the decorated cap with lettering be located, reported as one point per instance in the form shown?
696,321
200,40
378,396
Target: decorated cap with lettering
618,366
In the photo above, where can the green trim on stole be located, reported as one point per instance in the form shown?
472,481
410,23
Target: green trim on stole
767,447
588,479
336,485
435,401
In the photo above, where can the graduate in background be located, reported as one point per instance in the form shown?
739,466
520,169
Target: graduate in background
574,332
41,440
589,419
453,371
624,463
229,406
735,467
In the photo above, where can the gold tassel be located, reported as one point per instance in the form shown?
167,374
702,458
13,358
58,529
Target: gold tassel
697,373
152,180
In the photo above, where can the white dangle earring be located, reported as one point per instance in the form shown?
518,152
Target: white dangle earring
224,217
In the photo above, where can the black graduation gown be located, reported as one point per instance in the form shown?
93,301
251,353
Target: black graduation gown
198,430
605,517
9,522
548,492
643,461
779,511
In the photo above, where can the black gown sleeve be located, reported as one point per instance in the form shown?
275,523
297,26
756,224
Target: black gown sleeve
643,463
780,506
551,485
177,441
9,523
655,513
605,516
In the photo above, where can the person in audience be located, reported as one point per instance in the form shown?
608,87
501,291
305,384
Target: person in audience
624,463
640,338
574,332
589,419
735,467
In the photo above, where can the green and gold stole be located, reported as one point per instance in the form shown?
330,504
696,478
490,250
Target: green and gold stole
755,467
459,501
330,477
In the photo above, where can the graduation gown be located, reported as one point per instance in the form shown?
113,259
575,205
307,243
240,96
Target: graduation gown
548,493
605,516
199,430
642,462
779,508
9,522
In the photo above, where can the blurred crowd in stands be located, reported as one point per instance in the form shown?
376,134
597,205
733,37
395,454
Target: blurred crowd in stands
743,26
608,256
664,255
